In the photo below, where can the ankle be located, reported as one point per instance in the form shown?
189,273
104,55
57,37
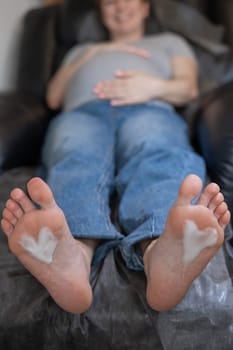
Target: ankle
143,245
88,247
147,246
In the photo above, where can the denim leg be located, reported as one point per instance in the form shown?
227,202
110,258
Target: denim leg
153,158
79,160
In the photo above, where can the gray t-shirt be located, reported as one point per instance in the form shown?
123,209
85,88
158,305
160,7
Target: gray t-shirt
104,65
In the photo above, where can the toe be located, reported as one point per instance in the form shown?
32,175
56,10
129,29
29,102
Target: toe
189,190
9,216
225,219
7,227
216,201
220,210
24,201
210,192
40,192
14,207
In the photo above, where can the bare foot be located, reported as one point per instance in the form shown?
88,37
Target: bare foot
192,236
62,264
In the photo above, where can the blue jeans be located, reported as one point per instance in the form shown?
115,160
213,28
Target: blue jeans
141,151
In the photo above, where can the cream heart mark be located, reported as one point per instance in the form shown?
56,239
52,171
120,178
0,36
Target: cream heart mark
43,248
196,240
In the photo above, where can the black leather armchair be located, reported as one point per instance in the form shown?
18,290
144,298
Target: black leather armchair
119,317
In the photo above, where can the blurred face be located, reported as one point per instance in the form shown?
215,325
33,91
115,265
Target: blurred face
124,19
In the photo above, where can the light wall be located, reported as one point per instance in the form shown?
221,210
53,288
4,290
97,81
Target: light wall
11,15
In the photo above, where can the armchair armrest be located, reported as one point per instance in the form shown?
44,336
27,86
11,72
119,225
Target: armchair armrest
23,122
214,134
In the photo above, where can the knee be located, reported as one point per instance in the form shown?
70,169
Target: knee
135,132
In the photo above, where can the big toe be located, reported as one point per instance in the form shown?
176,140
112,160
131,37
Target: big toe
189,189
40,193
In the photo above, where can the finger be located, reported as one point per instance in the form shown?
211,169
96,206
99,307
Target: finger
120,102
102,96
116,102
100,89
103,85
125,73
109,93
113,94
98,86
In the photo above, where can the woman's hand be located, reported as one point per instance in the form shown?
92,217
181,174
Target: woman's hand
132,87
128,87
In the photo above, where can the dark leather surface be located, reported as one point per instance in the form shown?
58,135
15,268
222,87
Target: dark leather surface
37,51
23,121
215,135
